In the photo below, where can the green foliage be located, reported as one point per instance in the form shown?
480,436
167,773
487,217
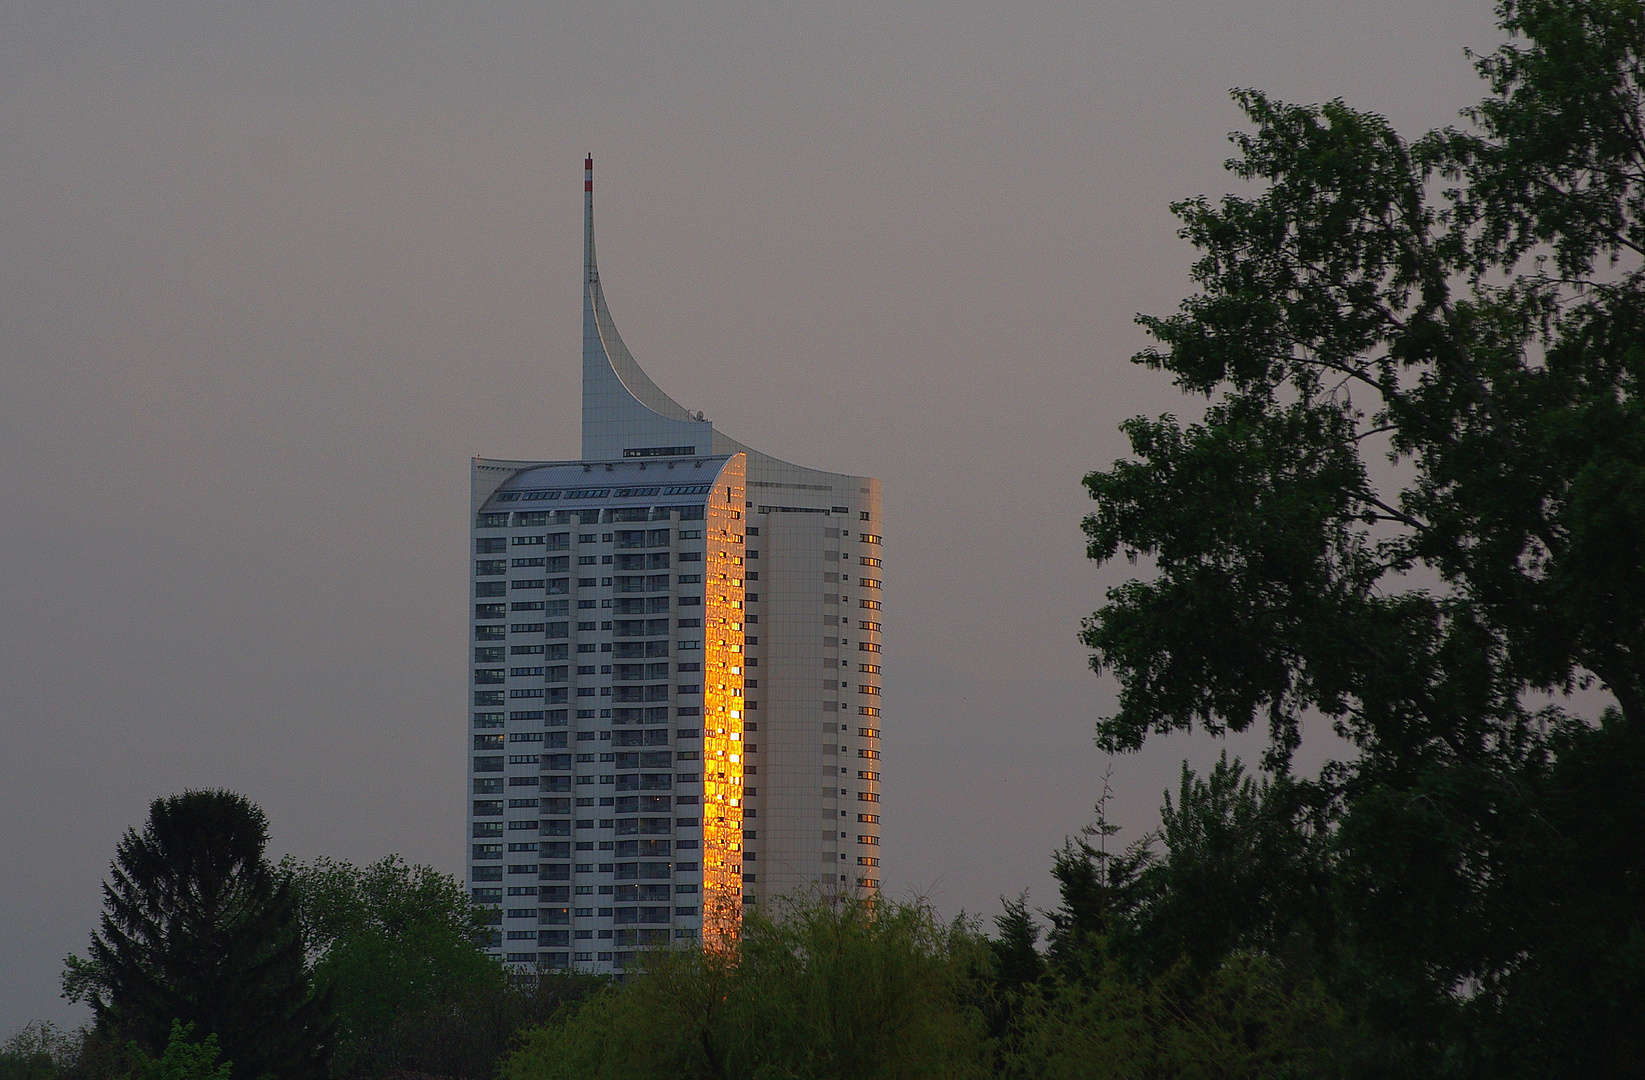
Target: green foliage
835,988
1414,503
856,989
390,940
298,971
1341,310
198,928
1243,1019
1241,870
1099,891
469,1036
26,1065
39,1051
398,947
1157,964
183,1060
1017,960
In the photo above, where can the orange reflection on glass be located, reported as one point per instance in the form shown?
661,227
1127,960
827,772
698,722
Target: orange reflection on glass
722,714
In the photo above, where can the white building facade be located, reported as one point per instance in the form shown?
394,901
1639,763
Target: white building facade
676,648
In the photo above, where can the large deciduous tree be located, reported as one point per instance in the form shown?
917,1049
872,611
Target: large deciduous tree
398,947
199,929
1414,509
842,988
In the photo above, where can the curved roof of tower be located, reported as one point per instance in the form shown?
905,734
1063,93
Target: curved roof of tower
623,410
601,335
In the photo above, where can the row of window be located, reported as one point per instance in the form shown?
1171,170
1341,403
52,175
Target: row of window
488,612
559,695
621,805
625,894
627,715
562,586
492,545
561,871
557,739
571,494
554,739
621,672
495,742
647,826
562,763
549,717
531,519
493,654
561,850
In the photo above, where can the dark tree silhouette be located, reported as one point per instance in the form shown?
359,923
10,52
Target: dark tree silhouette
198,928
1412,509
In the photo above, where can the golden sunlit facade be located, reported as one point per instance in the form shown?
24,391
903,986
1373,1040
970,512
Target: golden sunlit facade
723,599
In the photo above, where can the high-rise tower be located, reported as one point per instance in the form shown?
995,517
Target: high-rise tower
676,675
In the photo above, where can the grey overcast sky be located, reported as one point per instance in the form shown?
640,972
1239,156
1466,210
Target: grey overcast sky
271,273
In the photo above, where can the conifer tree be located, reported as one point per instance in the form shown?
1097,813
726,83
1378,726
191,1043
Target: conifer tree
199,929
